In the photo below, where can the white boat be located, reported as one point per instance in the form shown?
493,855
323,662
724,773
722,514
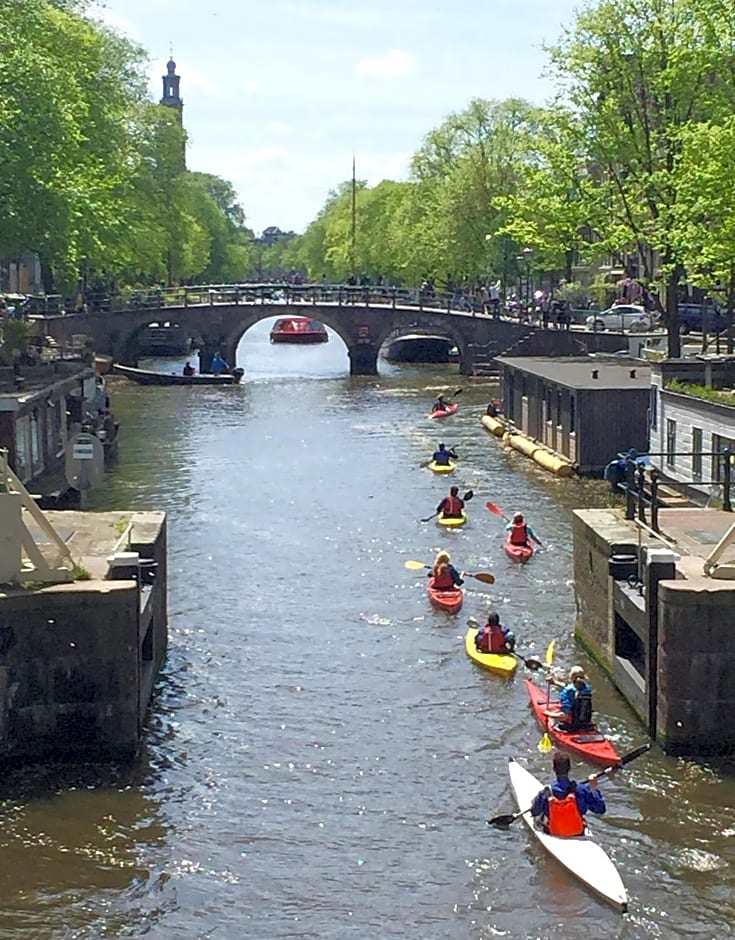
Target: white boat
581,855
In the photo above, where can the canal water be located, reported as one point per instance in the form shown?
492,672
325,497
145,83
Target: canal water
321,755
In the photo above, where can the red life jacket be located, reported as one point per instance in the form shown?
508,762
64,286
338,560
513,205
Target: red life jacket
518,534
565,818
492,639
444,579
452,506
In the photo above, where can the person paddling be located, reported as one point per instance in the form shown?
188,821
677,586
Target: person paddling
493,637
520,531
452,507
575,700
443,455
560,808
445,575
441,404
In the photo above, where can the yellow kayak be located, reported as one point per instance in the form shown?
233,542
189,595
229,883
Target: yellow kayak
441,467
451,521
502,664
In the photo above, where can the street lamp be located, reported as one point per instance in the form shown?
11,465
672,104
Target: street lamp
528,254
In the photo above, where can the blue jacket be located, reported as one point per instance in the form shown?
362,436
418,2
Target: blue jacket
587,798
568,694
442,457
218,365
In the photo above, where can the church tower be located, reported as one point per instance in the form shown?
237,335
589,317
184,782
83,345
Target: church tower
171,97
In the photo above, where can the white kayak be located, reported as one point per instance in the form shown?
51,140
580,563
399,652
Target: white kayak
581,855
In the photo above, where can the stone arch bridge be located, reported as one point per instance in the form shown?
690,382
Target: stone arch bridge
218,317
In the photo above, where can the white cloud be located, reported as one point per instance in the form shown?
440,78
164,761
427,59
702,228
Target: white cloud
393,64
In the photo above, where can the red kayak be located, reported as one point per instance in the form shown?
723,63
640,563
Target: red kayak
590,744
519,553
447,599
447,411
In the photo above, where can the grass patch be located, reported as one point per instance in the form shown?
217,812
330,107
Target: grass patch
121,525
719,396
81,573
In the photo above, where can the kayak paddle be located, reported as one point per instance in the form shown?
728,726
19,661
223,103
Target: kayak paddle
546,744
504,821
497,511
532,664
483,576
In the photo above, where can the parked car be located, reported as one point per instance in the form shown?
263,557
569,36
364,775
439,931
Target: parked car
622,317
690,318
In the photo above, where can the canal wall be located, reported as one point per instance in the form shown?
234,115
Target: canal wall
659,628
78,661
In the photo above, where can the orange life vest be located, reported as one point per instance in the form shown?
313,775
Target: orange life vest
452,506
492,639
518,534
565,818
443,579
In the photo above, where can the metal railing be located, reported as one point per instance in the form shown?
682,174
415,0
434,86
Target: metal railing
642,493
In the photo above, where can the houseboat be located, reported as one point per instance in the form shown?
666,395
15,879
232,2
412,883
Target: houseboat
298,330
581,409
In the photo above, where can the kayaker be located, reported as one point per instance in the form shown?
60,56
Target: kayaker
492,408
440,404
451,506
218,364
520,531
493,637
443,455
560,808
445,575
575,700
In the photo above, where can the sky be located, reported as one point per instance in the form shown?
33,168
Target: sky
279,94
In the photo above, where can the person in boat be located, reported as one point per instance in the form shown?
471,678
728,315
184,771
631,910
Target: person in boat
189,369
492,409
445,575
520,531
218,365
442,456
493,637
451,506
560,808
575,701
441,404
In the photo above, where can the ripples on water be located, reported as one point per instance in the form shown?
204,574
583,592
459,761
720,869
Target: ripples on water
321,755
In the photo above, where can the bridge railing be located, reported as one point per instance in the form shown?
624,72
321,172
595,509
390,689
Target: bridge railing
313,294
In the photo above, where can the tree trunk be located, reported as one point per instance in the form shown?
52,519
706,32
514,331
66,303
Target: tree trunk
672,313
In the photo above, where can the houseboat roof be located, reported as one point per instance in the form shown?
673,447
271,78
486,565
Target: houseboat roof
583,372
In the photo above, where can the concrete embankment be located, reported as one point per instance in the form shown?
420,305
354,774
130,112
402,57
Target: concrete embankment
78,661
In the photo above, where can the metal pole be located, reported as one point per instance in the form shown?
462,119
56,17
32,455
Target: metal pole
726,480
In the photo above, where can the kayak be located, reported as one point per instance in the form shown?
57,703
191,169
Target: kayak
580,855
441,467
451,521
449,599
449,410
590,744
502,664
519,553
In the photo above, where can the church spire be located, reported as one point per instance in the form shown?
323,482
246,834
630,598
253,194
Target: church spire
171,97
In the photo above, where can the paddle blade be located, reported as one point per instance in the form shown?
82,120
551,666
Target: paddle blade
494,509
550,654
484,576
502,822
457,391
546,745
533,664
414,565
468,496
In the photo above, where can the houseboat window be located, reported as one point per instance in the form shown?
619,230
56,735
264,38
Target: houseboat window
719,444
670,442
653,407
22,449
696,452
572,414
